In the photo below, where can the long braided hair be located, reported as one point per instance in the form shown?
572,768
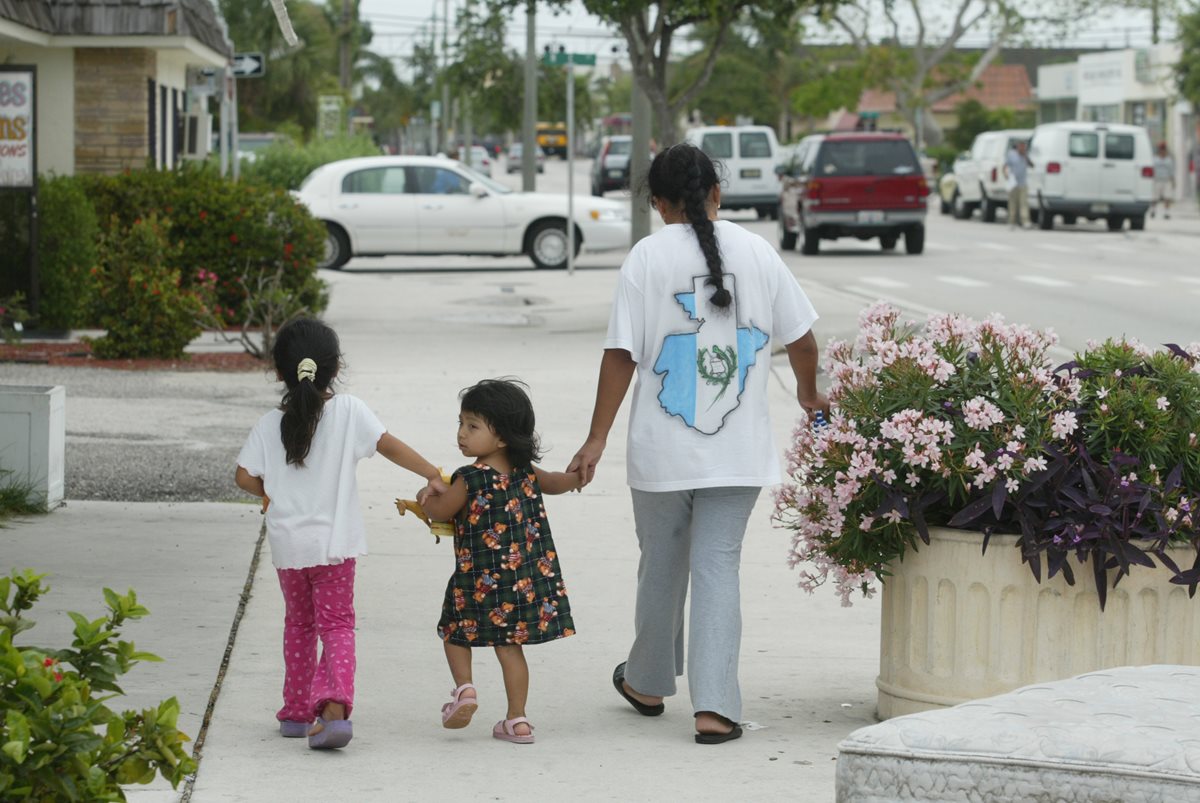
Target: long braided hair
684,175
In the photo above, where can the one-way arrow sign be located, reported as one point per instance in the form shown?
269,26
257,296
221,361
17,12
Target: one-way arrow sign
249,65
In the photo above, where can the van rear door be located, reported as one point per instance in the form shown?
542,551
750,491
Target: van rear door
755,165
1119,174
1081,170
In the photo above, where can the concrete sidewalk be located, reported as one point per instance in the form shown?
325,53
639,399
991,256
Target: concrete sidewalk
411,342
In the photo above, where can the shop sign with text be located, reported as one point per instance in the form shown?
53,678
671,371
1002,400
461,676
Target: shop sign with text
16,128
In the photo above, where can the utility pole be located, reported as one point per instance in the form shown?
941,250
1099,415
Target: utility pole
528,138
344,48
639,164
445,83
571,167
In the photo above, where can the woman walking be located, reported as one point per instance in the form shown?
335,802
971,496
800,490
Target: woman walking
698,307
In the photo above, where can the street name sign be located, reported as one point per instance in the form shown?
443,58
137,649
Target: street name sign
560,59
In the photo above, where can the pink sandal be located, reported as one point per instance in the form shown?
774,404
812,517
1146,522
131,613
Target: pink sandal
506,730
458,712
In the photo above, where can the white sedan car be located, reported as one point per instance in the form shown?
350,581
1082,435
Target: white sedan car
382,205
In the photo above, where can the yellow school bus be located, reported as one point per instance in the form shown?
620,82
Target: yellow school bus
552,137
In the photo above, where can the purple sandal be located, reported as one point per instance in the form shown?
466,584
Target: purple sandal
336,733
458,712
293,729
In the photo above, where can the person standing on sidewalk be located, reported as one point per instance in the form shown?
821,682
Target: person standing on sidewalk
698,308
300,458
1164,180
1016,171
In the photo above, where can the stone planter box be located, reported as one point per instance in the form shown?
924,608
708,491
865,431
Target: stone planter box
33,439
958,625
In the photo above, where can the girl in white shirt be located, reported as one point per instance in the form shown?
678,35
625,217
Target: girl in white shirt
301,459
697,309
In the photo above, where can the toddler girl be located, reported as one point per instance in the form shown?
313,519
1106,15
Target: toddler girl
301,459
506,590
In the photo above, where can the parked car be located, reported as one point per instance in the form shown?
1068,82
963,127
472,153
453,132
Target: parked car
947,185
980,178
610,168
1091,170
860,185
480,160
748,154
381,205
513,163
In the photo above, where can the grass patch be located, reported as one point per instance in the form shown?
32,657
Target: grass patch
14,497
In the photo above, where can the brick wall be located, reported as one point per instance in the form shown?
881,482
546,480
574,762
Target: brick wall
111,125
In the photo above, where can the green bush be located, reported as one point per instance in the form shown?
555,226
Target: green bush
67,233
59,740
140,299
240,231
284,165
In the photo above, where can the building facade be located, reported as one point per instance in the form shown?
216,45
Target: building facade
112,76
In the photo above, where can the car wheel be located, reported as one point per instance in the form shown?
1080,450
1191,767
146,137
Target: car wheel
962,209
548,244
989,210
1070,220
812,241
1115,222
888,241
787,239
337,248
1137,222
914,239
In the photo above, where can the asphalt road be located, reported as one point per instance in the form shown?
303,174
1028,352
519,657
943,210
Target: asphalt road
162,436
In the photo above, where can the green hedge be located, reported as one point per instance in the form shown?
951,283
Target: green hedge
284,165
240,231
67,234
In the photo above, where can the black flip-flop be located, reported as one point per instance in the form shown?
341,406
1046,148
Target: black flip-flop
638,705
735,732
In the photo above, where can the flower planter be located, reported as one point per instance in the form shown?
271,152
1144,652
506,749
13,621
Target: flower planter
33,439
958,625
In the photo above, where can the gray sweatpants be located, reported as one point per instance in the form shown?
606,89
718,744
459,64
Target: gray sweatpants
698,535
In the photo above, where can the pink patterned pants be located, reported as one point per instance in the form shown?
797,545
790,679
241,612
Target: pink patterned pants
319,602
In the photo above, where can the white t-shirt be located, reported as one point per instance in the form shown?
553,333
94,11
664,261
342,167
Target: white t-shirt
699,416
314,518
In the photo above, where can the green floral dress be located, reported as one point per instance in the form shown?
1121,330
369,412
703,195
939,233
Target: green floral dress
507,587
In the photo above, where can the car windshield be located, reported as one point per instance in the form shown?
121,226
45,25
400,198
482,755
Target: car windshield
619,147
888,157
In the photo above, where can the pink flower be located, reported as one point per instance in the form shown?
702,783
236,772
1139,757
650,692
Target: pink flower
1064,424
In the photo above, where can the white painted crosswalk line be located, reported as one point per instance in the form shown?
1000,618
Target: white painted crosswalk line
995,246
1044,281
1062,249
1190,279
962,281
1127,281
882,281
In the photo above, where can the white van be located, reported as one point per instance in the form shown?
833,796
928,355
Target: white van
749,154
980,178
1093,171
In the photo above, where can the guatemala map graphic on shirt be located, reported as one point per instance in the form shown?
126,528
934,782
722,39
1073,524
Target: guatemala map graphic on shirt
704,371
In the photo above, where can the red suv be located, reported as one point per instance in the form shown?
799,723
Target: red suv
860,185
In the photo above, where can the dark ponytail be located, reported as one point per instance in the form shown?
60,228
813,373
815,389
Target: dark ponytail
684,175
307,384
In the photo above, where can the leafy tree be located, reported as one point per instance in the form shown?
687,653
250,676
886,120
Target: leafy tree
650,29
1187,70
741,83
932,68
974,119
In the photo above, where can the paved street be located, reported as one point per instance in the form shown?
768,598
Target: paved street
414,332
